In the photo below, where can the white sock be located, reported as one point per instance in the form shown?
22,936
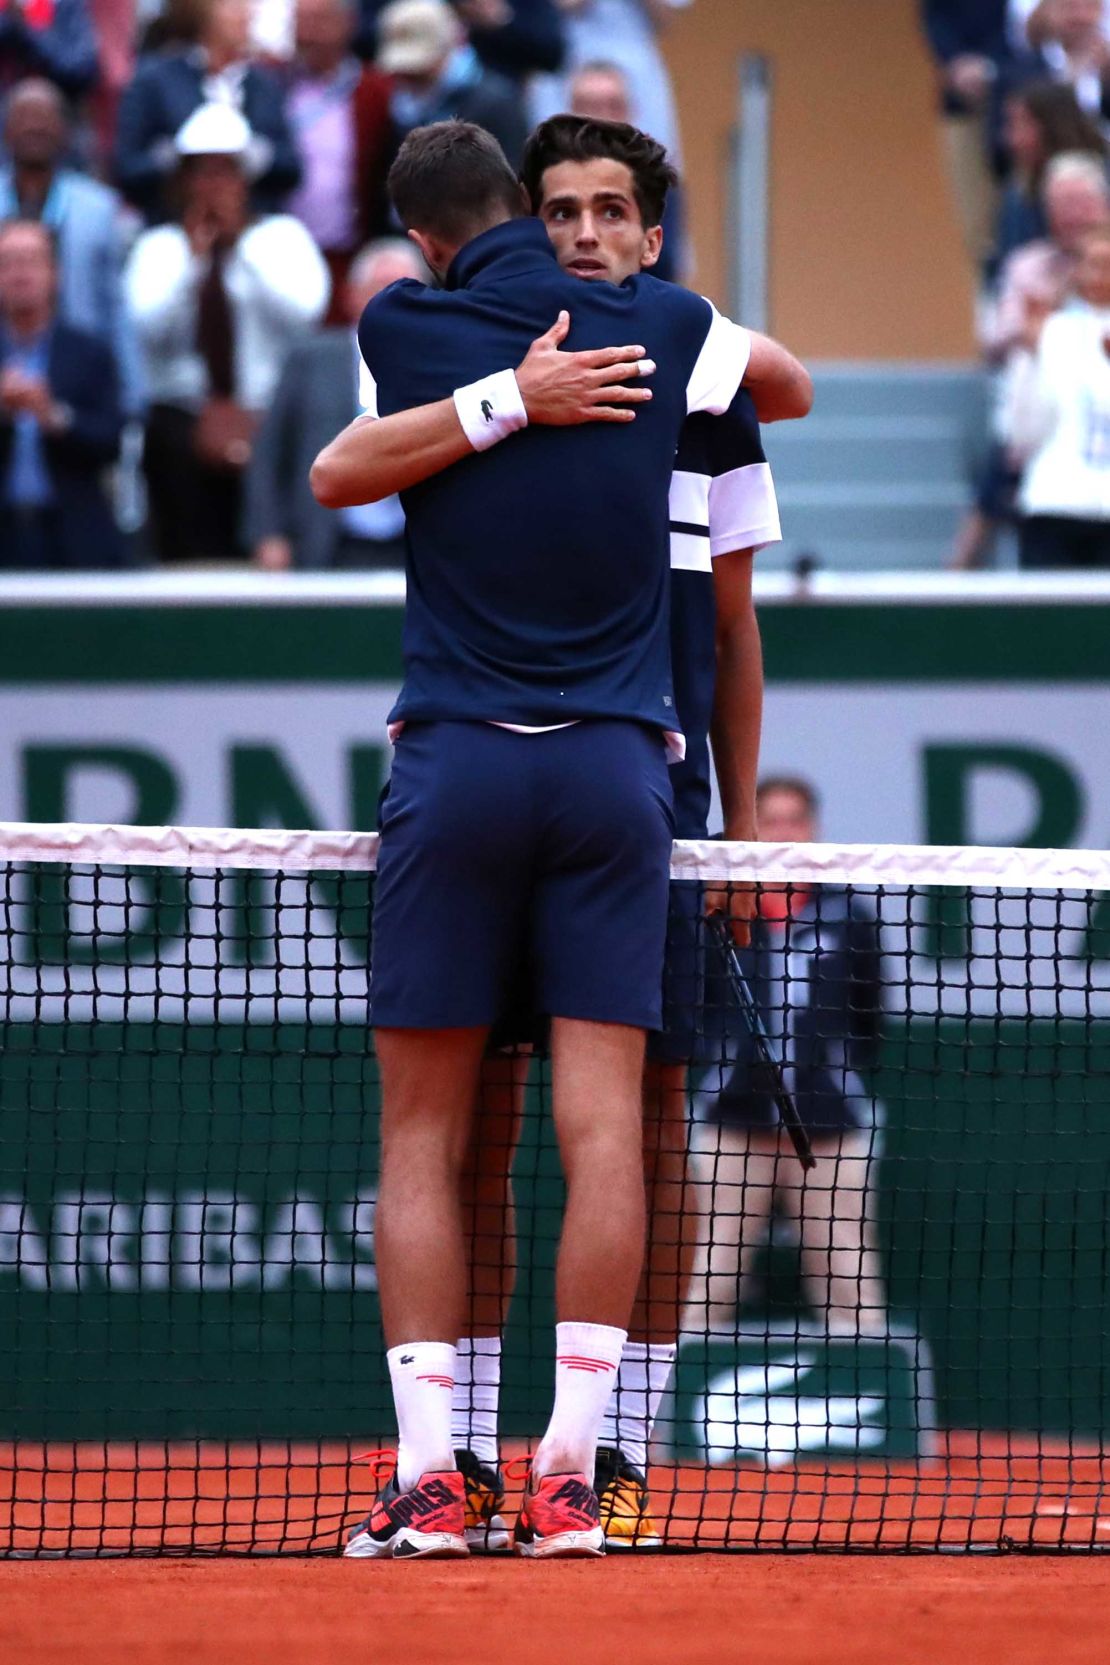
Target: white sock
475,1399
642,1377
586,1360
423,1377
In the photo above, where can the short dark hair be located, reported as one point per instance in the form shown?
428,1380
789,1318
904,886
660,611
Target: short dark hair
582,139
452,180
803,789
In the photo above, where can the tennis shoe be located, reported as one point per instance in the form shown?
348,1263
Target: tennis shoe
486,1530
428,1520
625,1504
559,1516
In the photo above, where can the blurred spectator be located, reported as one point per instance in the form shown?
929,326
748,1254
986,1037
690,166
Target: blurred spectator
60,419
600,91
618,32
53,38
115,24
1076,199
1055,417
514,37
316,397
273,30
438,76
1070,41
168,87
219,299
85,217
969,44
1042,120
339,112
1036,277
815,968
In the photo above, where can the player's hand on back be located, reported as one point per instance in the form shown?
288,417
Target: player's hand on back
562,390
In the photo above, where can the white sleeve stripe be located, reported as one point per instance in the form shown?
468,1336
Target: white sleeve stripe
689,498
367,389
689,553
721,366
743,509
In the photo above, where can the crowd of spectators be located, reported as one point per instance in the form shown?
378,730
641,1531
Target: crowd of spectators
193,207
1024,93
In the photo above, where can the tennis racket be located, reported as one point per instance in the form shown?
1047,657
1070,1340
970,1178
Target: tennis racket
765,1047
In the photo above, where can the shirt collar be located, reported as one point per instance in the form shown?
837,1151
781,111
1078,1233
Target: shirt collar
516,246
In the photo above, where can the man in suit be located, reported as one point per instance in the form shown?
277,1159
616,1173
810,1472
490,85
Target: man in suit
60,418
316,397
86,217
169,86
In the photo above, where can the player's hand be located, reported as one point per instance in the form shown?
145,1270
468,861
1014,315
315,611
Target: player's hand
561,390
734,902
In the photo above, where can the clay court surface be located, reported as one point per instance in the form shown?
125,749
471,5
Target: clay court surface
789,1610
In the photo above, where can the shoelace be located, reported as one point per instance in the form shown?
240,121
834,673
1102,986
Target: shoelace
382,1464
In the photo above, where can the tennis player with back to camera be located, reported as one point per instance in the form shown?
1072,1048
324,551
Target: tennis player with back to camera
529,784
600,188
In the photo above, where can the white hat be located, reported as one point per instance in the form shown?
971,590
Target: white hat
213,130
415,35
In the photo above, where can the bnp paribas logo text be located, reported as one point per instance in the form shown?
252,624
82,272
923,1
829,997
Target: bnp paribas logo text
211,1241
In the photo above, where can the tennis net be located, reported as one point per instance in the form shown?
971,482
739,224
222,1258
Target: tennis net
905,1348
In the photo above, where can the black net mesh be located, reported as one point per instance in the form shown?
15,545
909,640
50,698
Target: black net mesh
905,1347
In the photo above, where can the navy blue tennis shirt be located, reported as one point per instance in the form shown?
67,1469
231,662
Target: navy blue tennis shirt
538,583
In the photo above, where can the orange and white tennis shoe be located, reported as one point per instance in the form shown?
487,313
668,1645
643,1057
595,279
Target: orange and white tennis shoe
426,1521
559,1515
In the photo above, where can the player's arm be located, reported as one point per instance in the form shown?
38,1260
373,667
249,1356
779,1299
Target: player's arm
737,722
738,703
780,385
731,357
374,457
743,518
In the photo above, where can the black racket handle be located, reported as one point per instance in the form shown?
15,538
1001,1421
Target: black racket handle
765,1047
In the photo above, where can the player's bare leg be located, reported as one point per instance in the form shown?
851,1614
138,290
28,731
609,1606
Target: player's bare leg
648,1356
489,1226
489,1215
672,1236
596,1073
429,1078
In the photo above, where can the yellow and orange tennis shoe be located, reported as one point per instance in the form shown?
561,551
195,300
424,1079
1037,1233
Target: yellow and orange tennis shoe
625,1504
486,1530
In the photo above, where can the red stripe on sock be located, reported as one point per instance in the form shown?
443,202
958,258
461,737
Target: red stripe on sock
582,1358
440,1381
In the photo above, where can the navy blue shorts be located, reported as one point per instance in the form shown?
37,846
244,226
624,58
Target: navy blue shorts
507,856
697,999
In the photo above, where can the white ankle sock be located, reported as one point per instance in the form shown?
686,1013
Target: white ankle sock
642,1377
423,1376
586,1360
475,1399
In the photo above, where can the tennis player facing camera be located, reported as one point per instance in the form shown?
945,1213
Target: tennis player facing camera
529,812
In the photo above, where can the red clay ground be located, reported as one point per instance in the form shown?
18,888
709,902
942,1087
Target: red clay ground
700,1610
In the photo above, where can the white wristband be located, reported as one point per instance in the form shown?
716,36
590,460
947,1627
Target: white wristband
491,409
